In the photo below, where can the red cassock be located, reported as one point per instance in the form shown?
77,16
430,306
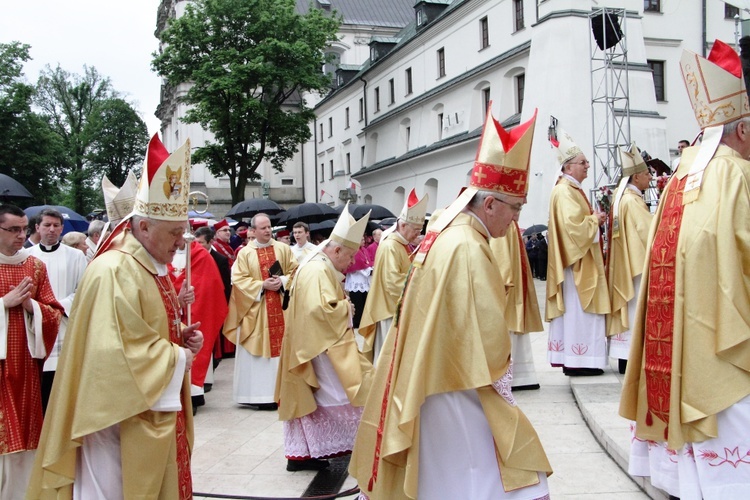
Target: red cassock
210,306
20,391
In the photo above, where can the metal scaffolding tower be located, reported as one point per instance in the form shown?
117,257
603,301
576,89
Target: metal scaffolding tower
610,103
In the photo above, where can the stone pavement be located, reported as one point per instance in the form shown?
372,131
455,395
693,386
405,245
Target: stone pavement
239,451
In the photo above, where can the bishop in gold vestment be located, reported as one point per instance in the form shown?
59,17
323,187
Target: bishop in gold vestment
687,386
577,296
522,307
255,320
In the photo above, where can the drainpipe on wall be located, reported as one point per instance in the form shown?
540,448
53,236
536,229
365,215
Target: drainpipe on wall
703,28
315,160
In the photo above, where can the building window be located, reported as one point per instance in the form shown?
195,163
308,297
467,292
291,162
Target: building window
330,166
730,11
392,91
377,99
652,5
287,182
361,108
657,68
440,126
407,137
348,163
320,135
441,62
322,172
484,33
362,157
518,14
485,101
409,88
346,117
420,17
520,84
330,126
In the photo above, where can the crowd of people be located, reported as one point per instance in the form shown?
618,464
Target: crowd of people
400,345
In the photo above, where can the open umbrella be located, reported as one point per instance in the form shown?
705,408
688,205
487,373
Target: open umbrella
11,189
358,211
72,221
249,208
308,212
192,214
536,228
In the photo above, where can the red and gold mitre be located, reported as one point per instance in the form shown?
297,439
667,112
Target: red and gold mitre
502,163
165,182
715,85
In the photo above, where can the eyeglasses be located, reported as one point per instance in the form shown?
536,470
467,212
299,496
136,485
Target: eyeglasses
15,229
516,208
580,162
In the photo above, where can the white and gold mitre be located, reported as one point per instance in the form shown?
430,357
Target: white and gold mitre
165,182
414,210
503,157
715,85
632,162
349,231
565,147
119,202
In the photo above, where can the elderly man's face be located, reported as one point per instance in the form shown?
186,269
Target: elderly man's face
501,213
224,234
578,168
161,238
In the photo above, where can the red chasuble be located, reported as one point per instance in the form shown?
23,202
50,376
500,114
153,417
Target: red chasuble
20,392
266,258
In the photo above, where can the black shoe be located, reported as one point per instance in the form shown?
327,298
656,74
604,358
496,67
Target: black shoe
265,406
207,387
309,464
622,365
582,372
195,410
198,401
529,387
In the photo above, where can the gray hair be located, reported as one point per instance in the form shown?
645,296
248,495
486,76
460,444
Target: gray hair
478,199
731,127
95,227
73,238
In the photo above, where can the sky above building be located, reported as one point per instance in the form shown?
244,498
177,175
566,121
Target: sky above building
115,37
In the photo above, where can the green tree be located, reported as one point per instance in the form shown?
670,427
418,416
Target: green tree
100,133
120,141
29,151
244,61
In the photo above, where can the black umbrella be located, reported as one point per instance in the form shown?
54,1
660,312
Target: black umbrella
11,189
308,212
72,221
326,225
358,211
536,228
249,208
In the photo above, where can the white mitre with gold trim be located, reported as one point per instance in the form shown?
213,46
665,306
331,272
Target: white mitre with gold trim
165,182
565,147
415,210
349,231
119,202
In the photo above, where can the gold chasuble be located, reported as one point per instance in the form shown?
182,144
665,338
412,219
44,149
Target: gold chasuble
522,307
125,317
449,335
318,322
261,322
627,254
690,355
571,231
392,262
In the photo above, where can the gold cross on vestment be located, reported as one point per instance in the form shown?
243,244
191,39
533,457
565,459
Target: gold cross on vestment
660,336
480,175
519,183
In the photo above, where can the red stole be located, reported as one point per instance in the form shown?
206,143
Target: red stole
659,321
224,249
185,480
266,258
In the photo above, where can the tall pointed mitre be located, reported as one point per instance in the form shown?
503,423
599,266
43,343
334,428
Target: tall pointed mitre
501,166
165,182
718,96
414,210
565,147
632,161
715,85
119,202
349,231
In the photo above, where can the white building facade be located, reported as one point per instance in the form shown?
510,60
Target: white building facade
412,115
